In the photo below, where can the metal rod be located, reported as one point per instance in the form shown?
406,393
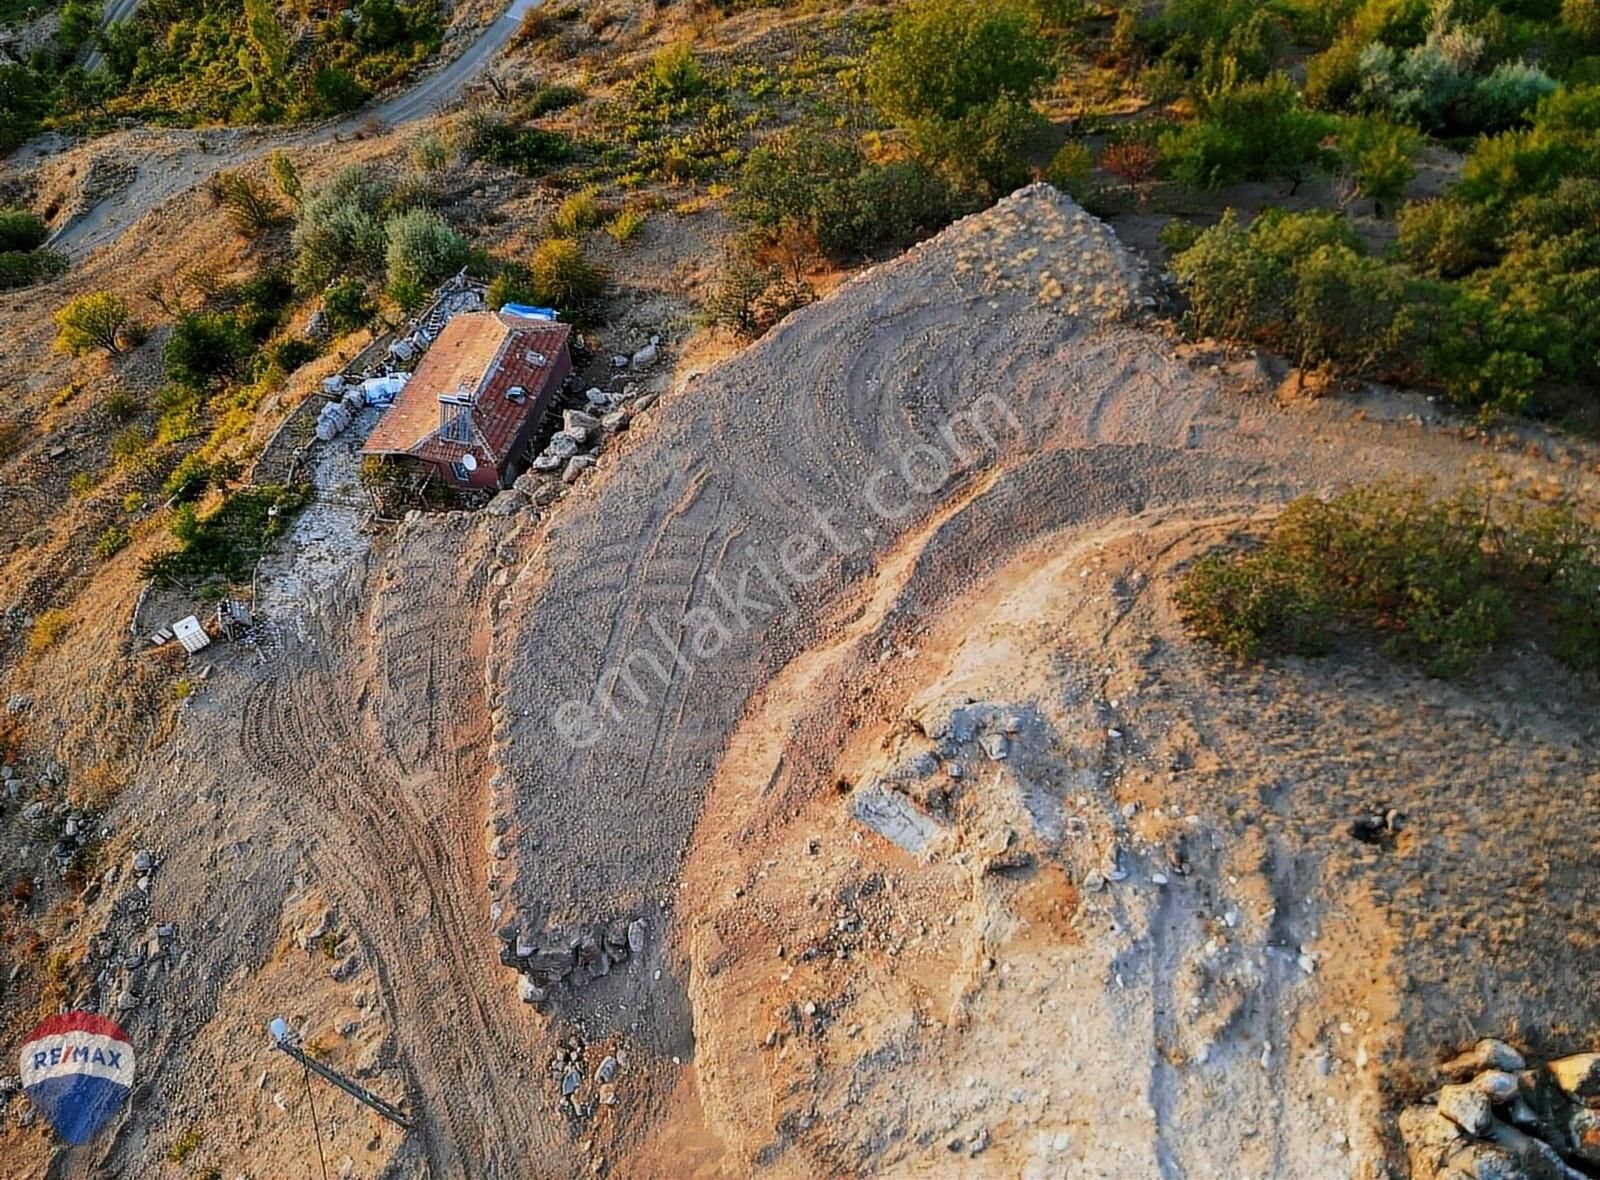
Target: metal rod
316,1129
360,1093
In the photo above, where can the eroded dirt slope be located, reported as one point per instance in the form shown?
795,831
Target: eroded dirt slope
543,721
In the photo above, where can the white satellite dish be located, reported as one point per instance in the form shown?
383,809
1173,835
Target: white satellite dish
470,462
279,1028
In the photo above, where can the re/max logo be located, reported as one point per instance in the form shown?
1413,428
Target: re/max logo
81,1054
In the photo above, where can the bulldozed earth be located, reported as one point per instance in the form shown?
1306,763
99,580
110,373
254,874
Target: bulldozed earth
824,784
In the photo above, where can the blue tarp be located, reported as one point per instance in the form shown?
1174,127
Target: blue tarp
524,311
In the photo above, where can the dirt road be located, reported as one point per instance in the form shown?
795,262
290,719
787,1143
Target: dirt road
170,163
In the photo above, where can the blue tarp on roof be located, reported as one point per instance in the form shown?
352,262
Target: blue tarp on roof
527,312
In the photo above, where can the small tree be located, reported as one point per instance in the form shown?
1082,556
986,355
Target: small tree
958,77
248,203
285,176
207,347
1071,169
96,320
945,59
422,249
1378,157
560,275
1583,18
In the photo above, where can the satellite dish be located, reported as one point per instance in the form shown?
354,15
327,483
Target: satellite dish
279,1028
469,461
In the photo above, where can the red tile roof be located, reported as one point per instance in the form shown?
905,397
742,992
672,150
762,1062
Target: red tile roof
481,353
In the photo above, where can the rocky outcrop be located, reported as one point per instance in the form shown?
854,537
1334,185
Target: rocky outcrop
1500,1119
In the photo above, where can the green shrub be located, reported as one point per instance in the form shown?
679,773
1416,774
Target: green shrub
95,320
560,275
428,154
625,225
21,230
1508,94
1071,169
1444,581
1379,157
291,353
20,268
340,230
422,250
1583,18
1257,131
677,72
550,98
226,543
188,481
1447,237
285,176
819,182
113,540
338,91
348,306
531,151
120,405
750,298
1300,284
207,348
130,447
1333,77
408,295
958,78
580,212
946,59
248,203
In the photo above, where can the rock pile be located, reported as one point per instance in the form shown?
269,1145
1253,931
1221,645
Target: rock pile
1498,1118
550,959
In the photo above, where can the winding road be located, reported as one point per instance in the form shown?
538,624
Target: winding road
177,161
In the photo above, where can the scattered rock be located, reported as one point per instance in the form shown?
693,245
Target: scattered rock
1486,1054
1467,1108
1578,1076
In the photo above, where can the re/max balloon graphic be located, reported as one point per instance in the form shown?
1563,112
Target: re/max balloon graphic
77,1069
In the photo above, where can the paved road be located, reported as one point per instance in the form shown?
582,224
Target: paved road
178,161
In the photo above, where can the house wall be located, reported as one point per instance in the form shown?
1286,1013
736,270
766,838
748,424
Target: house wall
541,407
485,476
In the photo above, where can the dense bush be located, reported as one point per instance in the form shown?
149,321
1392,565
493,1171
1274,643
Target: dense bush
580,212
23,268
821,183
749,298
226,543
21,231
531,151
348,306
560,275
1379,158
1255,131
1071,169
293,352
250,207
958,78
1300,284
1444,581
340,230
96,320
422,250
1447,237
207,348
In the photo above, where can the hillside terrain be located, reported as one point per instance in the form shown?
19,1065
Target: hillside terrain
1159,872
832,774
